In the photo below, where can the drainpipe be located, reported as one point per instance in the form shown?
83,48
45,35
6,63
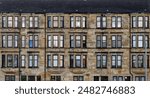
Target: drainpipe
45,47
130,69
19,45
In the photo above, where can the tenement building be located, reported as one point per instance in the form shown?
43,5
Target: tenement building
74,40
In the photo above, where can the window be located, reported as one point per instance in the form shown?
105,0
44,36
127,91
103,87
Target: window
78,22
61,41
4,22
33,41
61,63
101,41
33,61
9,39
10,22
49,41
23,78
117,78
101,22
3,61
72,22
55,41
23,24
55,60
140,21
101,61
23,41
58,41
55,21
61,24
4,41
100,78
31,78
140,78
140,41
78,78
49,64
31,22
16,41
23,61
16,22
9,61
9,77
36,41
49,22
116,61
84,22
36,22
55,78
78,41
138,61
116,22
15,61
79,61
116,41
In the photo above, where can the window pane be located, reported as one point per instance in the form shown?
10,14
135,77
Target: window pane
78,61
16,41
49,40
4,21
49,22
72,21
4,41
133,41
140,41
140,21
61,44
61,61
23,41
55,60
119,22
31,41
31,22
9,60
36,41
23,21
35,61
16,61
10,24
49,61
113,22
23,61
61,21
9,41
55,21
30,61
72,43
16,22
83,22
78,41
78,21
36,21
134,22
98,23
55,41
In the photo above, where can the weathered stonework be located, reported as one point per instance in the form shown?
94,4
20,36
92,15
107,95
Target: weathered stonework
91,31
